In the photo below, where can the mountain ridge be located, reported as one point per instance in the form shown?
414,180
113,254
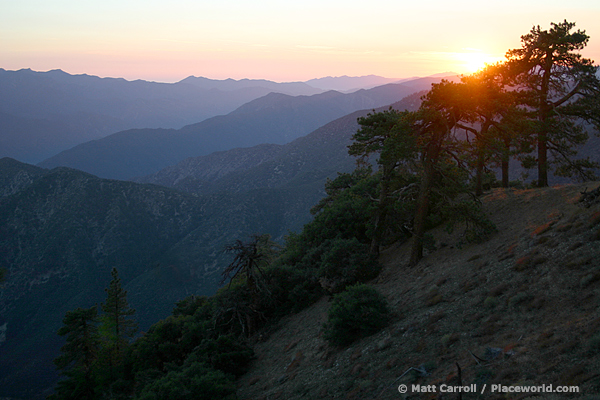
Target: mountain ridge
68,109
274,118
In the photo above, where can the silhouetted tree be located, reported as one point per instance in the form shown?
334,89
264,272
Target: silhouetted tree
388,134
250,259
433,131
494,124
241,307
552,78
117,314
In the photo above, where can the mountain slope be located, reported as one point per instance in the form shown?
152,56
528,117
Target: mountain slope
15,176
190,174
315,156
61,232
519,309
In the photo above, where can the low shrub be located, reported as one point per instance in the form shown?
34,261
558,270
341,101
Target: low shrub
225,353
293,288
357,312
192,381
519,299
345,262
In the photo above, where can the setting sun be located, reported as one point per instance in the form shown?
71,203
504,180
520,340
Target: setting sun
475,61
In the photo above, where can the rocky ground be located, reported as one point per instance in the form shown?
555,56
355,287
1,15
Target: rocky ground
519,309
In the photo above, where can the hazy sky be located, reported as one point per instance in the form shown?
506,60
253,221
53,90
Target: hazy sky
277,40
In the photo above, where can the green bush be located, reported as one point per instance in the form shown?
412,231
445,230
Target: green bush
225,353
293,288
298,279
193,381
357,312
345,262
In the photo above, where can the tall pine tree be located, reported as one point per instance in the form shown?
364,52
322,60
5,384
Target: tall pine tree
79,355
553,79
117,312
117,327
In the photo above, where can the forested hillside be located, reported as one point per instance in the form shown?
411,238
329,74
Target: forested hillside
63,230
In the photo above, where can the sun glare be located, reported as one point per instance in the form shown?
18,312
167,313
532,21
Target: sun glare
475,61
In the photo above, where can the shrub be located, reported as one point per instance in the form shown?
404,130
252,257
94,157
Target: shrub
292,288
344,262
357,312
193,381
519,299
225,353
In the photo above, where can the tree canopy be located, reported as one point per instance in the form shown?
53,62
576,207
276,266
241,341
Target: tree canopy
554,82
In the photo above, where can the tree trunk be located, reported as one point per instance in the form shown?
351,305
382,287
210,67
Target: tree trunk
481,157
479,176
416,253
374,249
505,181
542,159
381,215
544,115
505,163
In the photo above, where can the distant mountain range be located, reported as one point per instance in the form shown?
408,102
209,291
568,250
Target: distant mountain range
350,83
43,113
275,119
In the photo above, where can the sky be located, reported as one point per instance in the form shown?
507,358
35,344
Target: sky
283,41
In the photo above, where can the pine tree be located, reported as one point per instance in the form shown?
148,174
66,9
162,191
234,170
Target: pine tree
389,135
554,79
79,355
117,327
493,124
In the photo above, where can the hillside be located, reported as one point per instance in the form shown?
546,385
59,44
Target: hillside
519,309
265,166
61,233
63,229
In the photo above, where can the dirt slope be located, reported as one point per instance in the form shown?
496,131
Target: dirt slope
518,309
